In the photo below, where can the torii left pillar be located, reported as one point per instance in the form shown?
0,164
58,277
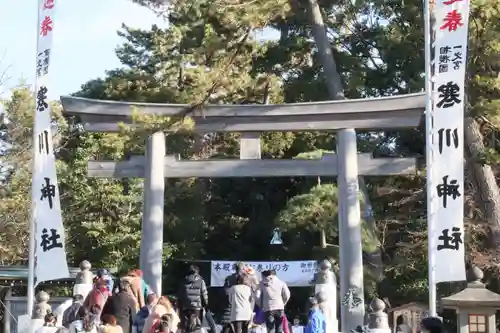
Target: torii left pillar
151,257
352,309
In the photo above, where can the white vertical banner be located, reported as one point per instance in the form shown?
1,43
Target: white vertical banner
452,17
50,248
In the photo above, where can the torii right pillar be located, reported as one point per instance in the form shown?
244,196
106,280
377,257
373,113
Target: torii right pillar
352,305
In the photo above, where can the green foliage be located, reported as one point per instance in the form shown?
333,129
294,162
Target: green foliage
315,211
15,175
312,212
102,219
16,135
211,53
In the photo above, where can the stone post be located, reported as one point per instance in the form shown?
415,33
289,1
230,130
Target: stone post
352,308
378,320
41,308
83,280
326,293
151,257
7,311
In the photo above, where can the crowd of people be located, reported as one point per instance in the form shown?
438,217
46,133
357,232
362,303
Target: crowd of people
253,303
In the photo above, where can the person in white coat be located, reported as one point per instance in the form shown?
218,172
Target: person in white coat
274,294
241,299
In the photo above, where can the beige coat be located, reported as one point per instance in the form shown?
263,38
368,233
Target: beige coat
135,283
110,329
241,300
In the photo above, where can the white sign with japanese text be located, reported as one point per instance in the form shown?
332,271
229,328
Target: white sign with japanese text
50,249
450,61
293,273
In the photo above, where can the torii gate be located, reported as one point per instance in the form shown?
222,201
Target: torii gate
250,120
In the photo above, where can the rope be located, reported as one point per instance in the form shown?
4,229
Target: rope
8,311
190,260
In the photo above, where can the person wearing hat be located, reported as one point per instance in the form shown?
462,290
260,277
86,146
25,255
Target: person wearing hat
145,288
316,322
98,295
102,273
431,325
135,281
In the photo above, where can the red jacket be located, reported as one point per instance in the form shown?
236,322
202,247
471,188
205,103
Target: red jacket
98,295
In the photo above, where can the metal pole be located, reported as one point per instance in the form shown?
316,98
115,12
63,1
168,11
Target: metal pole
32,245
351,256
151,257
429,158
34,196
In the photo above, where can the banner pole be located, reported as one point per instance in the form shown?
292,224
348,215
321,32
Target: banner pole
32,226
429,159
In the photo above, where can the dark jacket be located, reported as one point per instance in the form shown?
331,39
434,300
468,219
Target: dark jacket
193,294
228,283
122,306
71,314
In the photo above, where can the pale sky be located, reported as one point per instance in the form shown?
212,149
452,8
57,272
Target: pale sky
84,40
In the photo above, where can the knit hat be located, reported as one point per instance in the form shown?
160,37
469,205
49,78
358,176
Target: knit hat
432,324
102,272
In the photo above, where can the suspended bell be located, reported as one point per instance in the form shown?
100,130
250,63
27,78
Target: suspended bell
276,240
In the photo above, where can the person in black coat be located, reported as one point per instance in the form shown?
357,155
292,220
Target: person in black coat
122,307
192,298
431,325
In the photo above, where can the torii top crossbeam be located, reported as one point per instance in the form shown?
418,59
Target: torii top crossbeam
369,113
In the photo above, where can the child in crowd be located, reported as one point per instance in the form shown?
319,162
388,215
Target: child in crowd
164,325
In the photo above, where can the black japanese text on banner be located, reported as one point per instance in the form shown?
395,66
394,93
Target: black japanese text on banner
49,235
452,18
293,273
